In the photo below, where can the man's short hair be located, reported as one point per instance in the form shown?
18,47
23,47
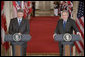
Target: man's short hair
20,10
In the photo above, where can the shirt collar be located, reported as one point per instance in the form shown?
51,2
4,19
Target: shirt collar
65,20
19,19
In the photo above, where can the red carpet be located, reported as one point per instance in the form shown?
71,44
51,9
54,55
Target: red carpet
41,30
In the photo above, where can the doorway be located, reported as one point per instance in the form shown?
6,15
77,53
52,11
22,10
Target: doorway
44,8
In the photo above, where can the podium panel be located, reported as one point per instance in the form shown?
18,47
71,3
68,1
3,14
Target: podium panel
17,50
67,50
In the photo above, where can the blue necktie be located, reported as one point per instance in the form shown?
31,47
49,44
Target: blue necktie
64,24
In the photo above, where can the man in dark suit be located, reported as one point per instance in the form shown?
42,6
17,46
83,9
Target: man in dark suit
21,26
65,25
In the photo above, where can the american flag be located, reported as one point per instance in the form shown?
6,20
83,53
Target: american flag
3,27
16,6
27,8
66,5
21,5
80,25
70,7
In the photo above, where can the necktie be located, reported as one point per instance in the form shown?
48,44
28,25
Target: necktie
64,24
19,21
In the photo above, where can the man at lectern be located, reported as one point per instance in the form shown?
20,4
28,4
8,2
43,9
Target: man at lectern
21,26
65,25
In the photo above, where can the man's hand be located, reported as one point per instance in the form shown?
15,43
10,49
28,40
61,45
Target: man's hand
78,33
54,35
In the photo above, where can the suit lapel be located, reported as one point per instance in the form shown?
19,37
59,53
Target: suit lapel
17,23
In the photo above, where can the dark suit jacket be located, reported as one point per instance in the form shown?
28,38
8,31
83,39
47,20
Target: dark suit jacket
15,28
70,26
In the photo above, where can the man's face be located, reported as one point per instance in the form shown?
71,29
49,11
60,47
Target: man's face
20,14
64,15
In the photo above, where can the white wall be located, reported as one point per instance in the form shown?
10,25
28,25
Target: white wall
52,5
37,4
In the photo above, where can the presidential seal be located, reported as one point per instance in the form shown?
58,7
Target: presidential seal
16,37
67,37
